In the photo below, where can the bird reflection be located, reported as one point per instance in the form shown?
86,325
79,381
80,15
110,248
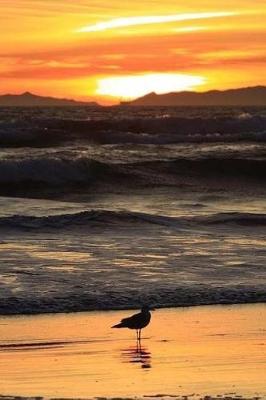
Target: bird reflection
137,354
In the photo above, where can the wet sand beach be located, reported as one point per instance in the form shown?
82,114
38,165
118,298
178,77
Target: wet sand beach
194,352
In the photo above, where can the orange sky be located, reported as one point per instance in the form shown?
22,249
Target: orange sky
112,49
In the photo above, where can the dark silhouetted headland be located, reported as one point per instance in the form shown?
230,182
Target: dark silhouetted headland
28,99
250,96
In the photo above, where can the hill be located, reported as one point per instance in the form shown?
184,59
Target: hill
28,99
250,96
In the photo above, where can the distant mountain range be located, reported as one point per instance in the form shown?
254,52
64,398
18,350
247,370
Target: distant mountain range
28,99
250,96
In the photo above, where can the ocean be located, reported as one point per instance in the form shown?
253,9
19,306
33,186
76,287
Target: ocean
114,207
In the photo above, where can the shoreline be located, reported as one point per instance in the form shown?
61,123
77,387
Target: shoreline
226,396
205,352
127,308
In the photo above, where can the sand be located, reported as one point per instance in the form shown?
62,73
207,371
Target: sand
216,351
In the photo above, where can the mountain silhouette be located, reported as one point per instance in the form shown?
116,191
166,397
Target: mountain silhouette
28,99
250,96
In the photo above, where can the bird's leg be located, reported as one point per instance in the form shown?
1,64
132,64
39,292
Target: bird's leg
140,341
137,343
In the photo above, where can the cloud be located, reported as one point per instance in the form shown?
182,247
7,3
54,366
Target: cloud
159,19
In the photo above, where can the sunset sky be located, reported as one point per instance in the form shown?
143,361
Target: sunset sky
108,50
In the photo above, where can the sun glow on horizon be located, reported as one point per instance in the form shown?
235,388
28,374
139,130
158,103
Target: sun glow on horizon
132,86
103,50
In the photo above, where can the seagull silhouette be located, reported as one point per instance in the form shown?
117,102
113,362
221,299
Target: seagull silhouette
136,321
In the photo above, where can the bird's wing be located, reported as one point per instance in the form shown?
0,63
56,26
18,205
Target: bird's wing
133,318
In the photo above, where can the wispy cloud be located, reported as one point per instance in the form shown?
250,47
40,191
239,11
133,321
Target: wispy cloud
156,19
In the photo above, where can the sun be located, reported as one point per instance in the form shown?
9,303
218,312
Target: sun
132,86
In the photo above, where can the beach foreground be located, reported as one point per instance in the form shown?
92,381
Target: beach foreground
197,351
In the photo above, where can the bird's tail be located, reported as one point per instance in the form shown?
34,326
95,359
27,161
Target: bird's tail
118,325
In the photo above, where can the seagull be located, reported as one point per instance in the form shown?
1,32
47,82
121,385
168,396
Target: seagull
136,321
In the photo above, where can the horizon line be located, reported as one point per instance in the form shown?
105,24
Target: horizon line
128,100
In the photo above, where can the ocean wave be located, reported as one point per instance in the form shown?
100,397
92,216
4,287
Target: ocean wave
173,125
103,218
247,219
180,296
51,171
83,219
42,173
156,130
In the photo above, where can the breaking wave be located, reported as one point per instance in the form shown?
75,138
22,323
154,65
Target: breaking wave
117,300
51,171
154,130
103,218
57,172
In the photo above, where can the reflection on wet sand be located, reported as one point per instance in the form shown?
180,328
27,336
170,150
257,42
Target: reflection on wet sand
137,354
198,350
